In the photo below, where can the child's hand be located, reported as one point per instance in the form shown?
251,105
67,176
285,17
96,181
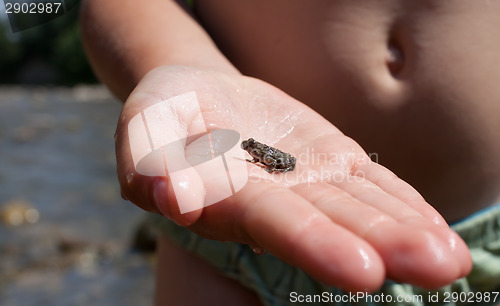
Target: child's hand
343,219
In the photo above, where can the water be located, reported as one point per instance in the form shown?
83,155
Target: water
57,156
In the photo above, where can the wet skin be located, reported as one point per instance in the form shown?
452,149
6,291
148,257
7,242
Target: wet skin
411,81
408,80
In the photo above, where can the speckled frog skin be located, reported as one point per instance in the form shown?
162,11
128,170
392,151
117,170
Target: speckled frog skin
274,160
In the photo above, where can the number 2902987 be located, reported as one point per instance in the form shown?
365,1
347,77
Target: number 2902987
32,8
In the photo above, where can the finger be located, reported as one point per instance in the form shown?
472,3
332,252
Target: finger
275,218
154,192
390,183
367,192
403,204
454,242
342,208
414,254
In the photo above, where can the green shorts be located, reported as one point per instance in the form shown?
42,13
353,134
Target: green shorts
277,283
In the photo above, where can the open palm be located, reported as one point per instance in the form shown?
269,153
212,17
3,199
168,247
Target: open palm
340,217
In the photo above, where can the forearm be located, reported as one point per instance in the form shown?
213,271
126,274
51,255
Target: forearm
124,39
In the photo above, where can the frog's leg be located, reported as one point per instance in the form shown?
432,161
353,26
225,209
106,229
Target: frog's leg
269,169
255,161
281,170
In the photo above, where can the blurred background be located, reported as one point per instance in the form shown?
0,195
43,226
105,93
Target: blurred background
66,236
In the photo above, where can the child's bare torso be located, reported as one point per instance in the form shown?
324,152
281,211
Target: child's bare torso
416,82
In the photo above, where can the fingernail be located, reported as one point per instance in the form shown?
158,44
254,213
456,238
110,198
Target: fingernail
123,195
159,197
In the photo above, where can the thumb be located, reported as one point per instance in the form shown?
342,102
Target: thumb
150,151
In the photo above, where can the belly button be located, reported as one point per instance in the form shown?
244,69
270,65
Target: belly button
395,59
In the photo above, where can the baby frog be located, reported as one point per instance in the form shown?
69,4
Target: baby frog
272,159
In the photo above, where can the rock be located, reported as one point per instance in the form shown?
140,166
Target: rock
145,237
18,212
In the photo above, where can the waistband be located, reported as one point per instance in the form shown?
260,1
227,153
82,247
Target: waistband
481,228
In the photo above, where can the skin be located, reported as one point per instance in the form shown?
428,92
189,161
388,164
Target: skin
390,75
419,74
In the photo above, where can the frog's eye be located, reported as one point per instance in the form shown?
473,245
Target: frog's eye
254,152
